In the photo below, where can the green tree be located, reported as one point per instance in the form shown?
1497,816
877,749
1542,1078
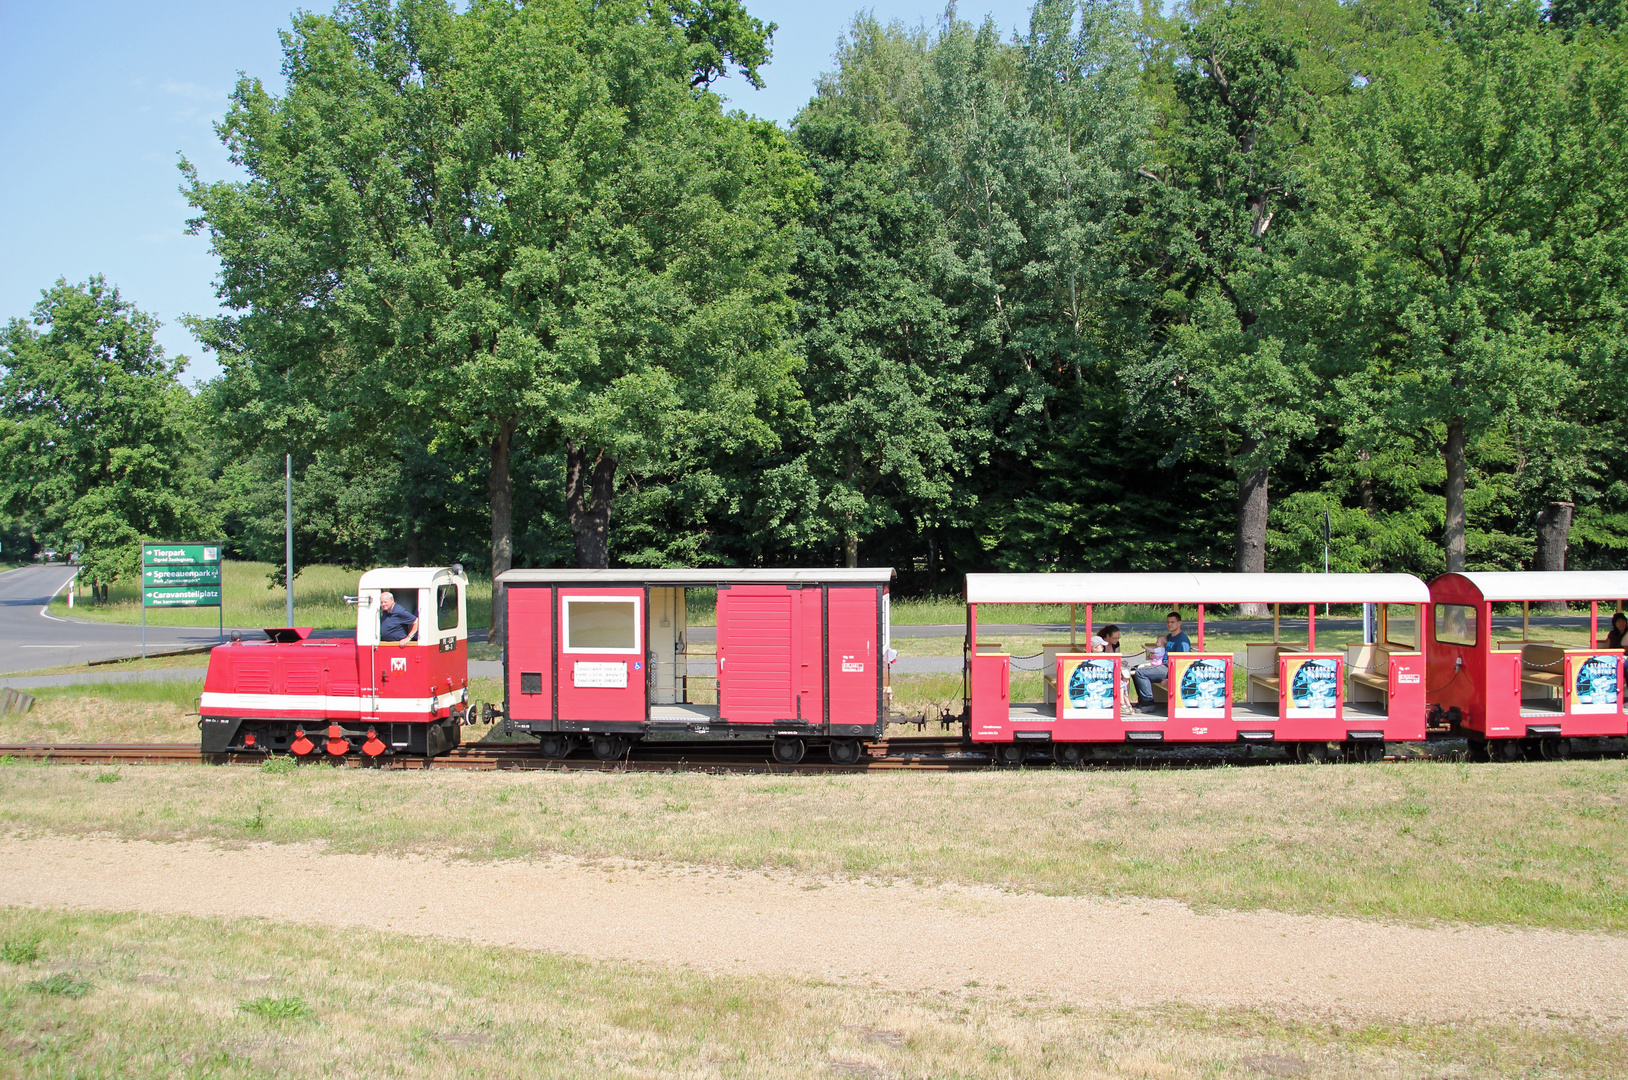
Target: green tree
1469,249
514,222
885,425
95,429
1218,207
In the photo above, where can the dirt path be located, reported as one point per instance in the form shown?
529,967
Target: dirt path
900,936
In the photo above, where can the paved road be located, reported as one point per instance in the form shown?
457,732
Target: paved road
30,639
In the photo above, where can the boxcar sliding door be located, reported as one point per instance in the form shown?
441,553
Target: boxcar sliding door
769,655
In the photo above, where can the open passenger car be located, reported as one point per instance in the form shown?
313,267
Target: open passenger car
1356,697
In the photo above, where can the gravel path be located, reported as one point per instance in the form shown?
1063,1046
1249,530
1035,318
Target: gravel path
899,936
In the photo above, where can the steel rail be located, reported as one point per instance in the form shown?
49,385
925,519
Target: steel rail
934,755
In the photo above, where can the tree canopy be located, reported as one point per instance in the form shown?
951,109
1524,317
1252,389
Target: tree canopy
1132,289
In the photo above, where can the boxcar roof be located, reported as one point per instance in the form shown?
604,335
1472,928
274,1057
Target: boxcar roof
1195,589
1548,584
702,577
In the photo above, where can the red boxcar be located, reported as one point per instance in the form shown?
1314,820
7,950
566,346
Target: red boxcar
605,657
1526,693
335,696
1356,696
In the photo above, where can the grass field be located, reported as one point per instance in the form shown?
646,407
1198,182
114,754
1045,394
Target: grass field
85,995
319,600
1539,843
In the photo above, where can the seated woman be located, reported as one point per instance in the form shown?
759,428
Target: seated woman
1108,641
1618,637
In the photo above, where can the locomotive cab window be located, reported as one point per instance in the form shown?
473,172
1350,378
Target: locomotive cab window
600,624
446,607
1456,624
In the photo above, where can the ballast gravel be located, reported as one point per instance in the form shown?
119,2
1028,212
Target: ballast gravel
892,935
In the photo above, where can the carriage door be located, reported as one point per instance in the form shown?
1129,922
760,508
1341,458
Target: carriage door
769,664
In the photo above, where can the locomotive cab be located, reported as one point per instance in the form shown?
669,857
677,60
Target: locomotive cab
313,696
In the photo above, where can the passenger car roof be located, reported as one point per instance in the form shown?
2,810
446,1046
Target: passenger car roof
1196,589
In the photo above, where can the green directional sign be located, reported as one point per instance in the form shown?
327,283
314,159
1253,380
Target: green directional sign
180,555
184,596
180,575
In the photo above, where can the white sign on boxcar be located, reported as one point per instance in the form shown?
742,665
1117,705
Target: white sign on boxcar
598,673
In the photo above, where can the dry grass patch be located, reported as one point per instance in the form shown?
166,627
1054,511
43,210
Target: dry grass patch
167,996
1539,844
147,712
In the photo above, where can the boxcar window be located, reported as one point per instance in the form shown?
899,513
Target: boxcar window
1455,624
446,607
1402,625
601,625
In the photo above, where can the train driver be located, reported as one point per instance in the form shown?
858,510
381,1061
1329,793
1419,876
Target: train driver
396,623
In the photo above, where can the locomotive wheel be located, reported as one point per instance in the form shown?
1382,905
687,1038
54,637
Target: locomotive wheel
1479,750
1067,753
1011,754
607,747
554,746
844,751
789,751
1507,750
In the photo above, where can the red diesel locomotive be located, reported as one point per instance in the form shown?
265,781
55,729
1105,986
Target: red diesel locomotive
336,696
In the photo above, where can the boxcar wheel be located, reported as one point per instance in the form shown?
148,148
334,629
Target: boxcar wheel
844,751
788,751
554,746
1067,753
607,747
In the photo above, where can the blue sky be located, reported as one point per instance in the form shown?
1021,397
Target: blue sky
97,100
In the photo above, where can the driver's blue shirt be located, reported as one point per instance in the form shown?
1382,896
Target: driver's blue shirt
395,624
1179,643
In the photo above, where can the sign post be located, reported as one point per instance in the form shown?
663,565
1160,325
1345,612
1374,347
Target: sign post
180,575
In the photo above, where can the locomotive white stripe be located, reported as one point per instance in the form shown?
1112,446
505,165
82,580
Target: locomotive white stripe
274,703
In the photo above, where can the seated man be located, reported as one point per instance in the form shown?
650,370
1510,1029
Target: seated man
1175,640
396,623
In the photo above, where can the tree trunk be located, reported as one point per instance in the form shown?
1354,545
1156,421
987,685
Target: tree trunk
500,489
1455,533
589,486
1249,553
1365,483
850,550
1554,527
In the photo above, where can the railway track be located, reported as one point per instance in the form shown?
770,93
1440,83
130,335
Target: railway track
909,754
904,754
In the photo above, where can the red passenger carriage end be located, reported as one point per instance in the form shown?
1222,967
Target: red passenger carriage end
336,696
1358,695
606,658
1511,694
